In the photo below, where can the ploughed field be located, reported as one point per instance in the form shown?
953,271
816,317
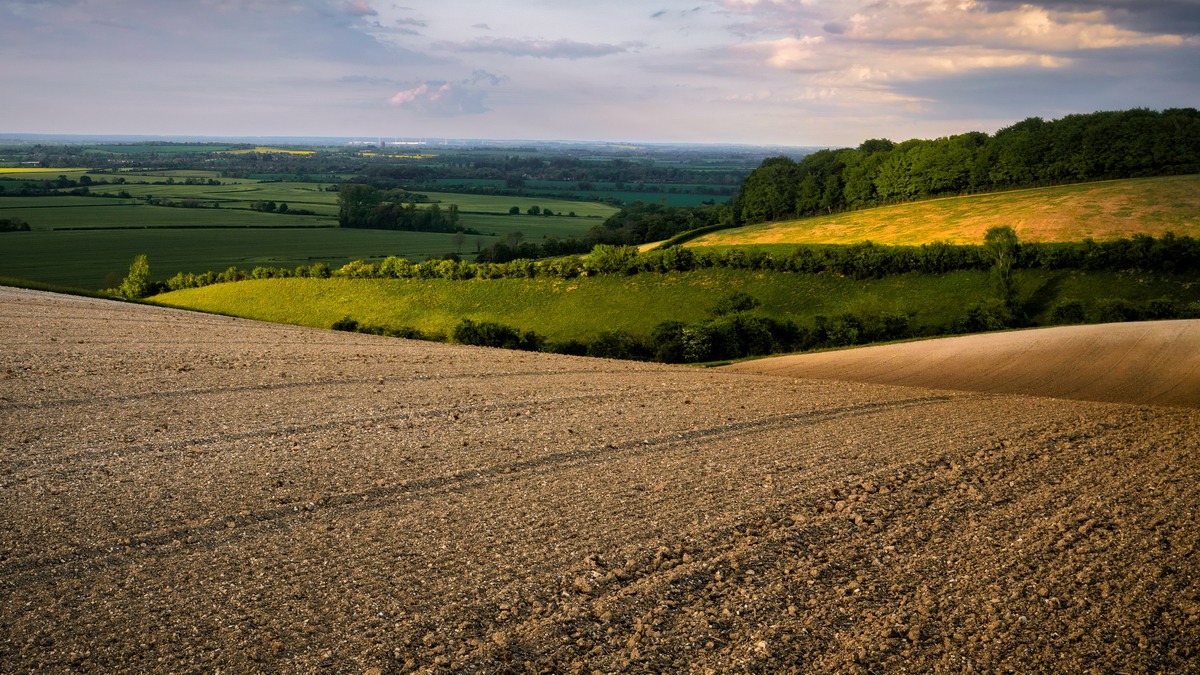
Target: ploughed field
1152,362
184,492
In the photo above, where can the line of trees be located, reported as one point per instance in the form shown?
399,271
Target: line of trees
1031,153
1169,254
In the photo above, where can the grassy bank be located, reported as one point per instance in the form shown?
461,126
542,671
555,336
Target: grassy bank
583,307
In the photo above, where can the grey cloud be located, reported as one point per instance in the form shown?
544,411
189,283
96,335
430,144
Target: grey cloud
1174,17
542,49
482,26
834,28
659,14
409,21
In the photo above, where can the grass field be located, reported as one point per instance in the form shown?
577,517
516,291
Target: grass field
90,258
18,203
1104,210
578,308
501,204
112,213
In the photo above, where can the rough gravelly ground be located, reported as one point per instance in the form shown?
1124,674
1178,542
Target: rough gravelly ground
1146,362
187,493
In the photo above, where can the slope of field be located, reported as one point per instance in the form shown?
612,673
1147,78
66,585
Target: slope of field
1106,210
577,308
1141,362
181,492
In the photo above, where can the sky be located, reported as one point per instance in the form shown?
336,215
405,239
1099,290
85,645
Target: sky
771,72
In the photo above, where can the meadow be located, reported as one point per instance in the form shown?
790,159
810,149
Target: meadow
582,307
1103,210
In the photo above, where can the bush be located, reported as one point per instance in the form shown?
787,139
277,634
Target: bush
490,334
735,302
345,323
1112,310
1067,311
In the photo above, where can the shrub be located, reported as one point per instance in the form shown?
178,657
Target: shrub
1112,310
345,323
1067,311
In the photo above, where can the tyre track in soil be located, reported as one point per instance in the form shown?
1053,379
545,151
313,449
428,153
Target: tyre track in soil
413,490
692,520
676,575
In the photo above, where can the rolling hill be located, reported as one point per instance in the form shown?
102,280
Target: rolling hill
1104,210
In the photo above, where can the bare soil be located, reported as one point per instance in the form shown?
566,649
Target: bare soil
193,493
1148,362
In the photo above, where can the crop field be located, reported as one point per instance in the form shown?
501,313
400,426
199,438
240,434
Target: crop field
1106,210
111,213
99,258
194,493
579,308
8,204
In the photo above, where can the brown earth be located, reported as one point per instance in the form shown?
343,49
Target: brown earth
187,493
1149,362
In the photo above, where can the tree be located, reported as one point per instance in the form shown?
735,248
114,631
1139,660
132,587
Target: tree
356,205
458,238
514,211
137,283
1001,246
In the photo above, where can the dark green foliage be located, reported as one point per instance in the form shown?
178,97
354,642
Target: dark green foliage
643,223
735,302
618,344
489,334
1111,310
1067,311
984,318
346,324
13,225
1031,153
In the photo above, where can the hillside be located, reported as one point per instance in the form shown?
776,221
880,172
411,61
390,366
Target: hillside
184,492
579,308
1105,210
1143,362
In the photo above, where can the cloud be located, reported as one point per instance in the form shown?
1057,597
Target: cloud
359,8
542,49
481,26
1180,17
448,99
409,21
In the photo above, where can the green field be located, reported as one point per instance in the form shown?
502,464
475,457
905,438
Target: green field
501,204
8,203
1105,210
111,213
579,308
91,258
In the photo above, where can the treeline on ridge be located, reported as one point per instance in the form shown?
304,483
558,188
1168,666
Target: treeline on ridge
1031,153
